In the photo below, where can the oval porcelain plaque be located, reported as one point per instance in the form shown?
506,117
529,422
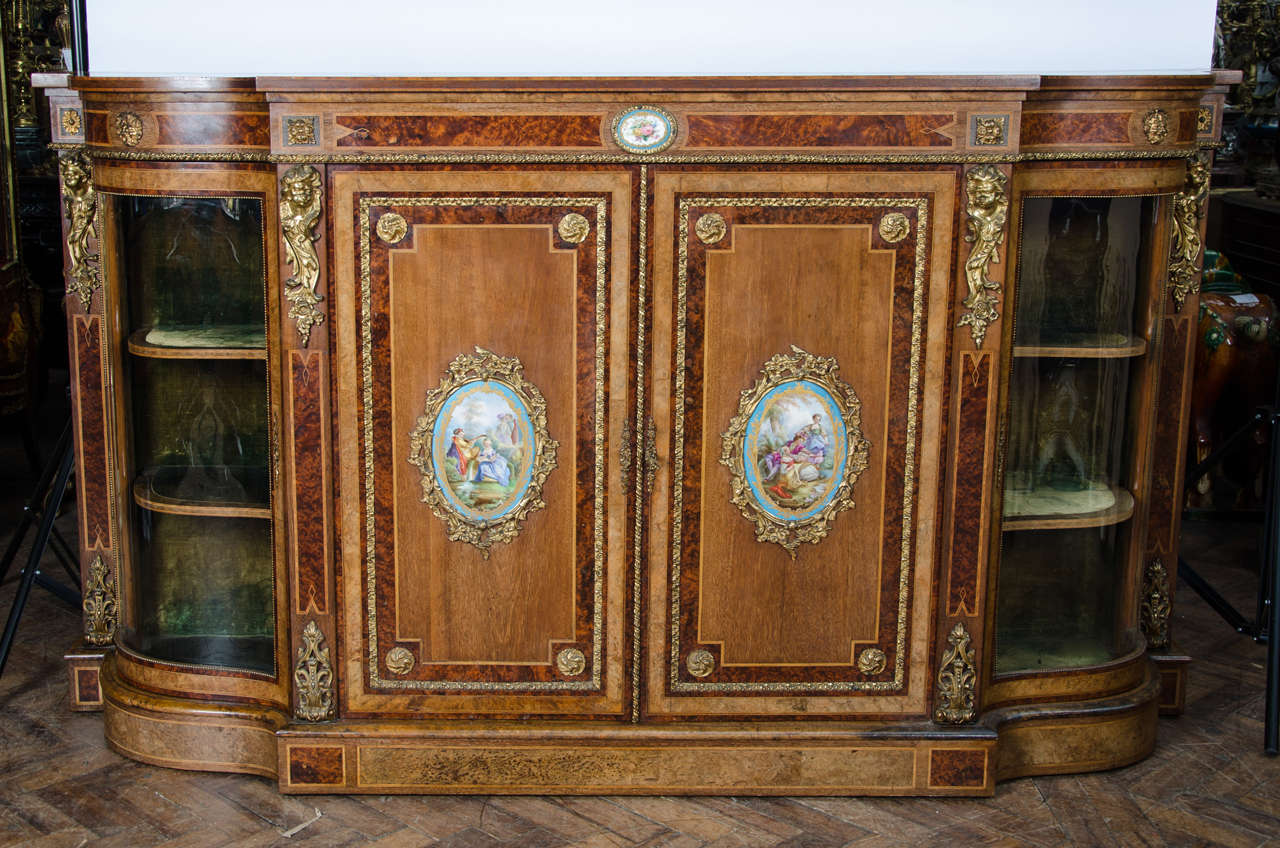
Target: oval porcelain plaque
644,129
794,450
481,447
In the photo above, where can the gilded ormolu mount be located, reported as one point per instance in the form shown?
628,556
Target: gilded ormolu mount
81,203
956,678
987,210
1188,206
313,677
99,605
300,203
1156,605
795,449
483,448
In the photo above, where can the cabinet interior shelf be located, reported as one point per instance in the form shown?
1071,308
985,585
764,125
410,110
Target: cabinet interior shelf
1119,347
147,496
1097,505
221,342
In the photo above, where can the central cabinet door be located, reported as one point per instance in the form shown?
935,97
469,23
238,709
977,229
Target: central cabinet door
799,341
481,321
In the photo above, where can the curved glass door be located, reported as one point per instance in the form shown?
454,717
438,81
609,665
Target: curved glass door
196,444
1070,463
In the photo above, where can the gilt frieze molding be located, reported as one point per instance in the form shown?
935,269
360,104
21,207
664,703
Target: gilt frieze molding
485,158
301,196
80,200
988,211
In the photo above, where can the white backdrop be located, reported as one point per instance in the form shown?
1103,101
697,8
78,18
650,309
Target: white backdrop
646,37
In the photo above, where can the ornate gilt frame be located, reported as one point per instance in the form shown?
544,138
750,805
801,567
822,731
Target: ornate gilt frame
780,369
483,365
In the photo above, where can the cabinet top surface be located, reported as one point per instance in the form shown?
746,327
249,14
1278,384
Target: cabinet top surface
268,85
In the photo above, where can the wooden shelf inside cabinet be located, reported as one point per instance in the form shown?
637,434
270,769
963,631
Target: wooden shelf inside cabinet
1117,347
223,342
1097,505
148,495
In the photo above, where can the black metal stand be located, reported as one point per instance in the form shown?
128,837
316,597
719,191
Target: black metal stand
43,506
1266,622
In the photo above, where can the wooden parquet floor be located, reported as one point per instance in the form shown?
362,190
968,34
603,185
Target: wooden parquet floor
1208,783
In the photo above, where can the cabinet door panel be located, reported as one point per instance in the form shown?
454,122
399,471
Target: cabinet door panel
792,525
483,564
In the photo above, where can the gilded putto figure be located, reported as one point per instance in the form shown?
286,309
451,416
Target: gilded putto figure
988,210
300,200
81,203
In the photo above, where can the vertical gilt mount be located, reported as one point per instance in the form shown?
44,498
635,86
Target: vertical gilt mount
99,605
1188,207
80,201
300,204
313,676
1156,604
956,678
988,209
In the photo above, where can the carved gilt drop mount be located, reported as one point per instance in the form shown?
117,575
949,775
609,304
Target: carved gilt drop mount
1156,604
99,605
300,203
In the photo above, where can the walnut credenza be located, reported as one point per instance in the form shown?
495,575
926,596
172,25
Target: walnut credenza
778,436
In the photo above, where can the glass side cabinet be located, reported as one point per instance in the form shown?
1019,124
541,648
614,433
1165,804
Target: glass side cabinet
194,443
1074,460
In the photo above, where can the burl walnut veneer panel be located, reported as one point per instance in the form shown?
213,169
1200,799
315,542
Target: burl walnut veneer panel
94,496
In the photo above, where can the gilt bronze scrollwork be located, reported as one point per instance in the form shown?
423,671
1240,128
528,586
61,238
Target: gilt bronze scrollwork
129,128
1156,604
956,678
99,605
300,203
313,676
